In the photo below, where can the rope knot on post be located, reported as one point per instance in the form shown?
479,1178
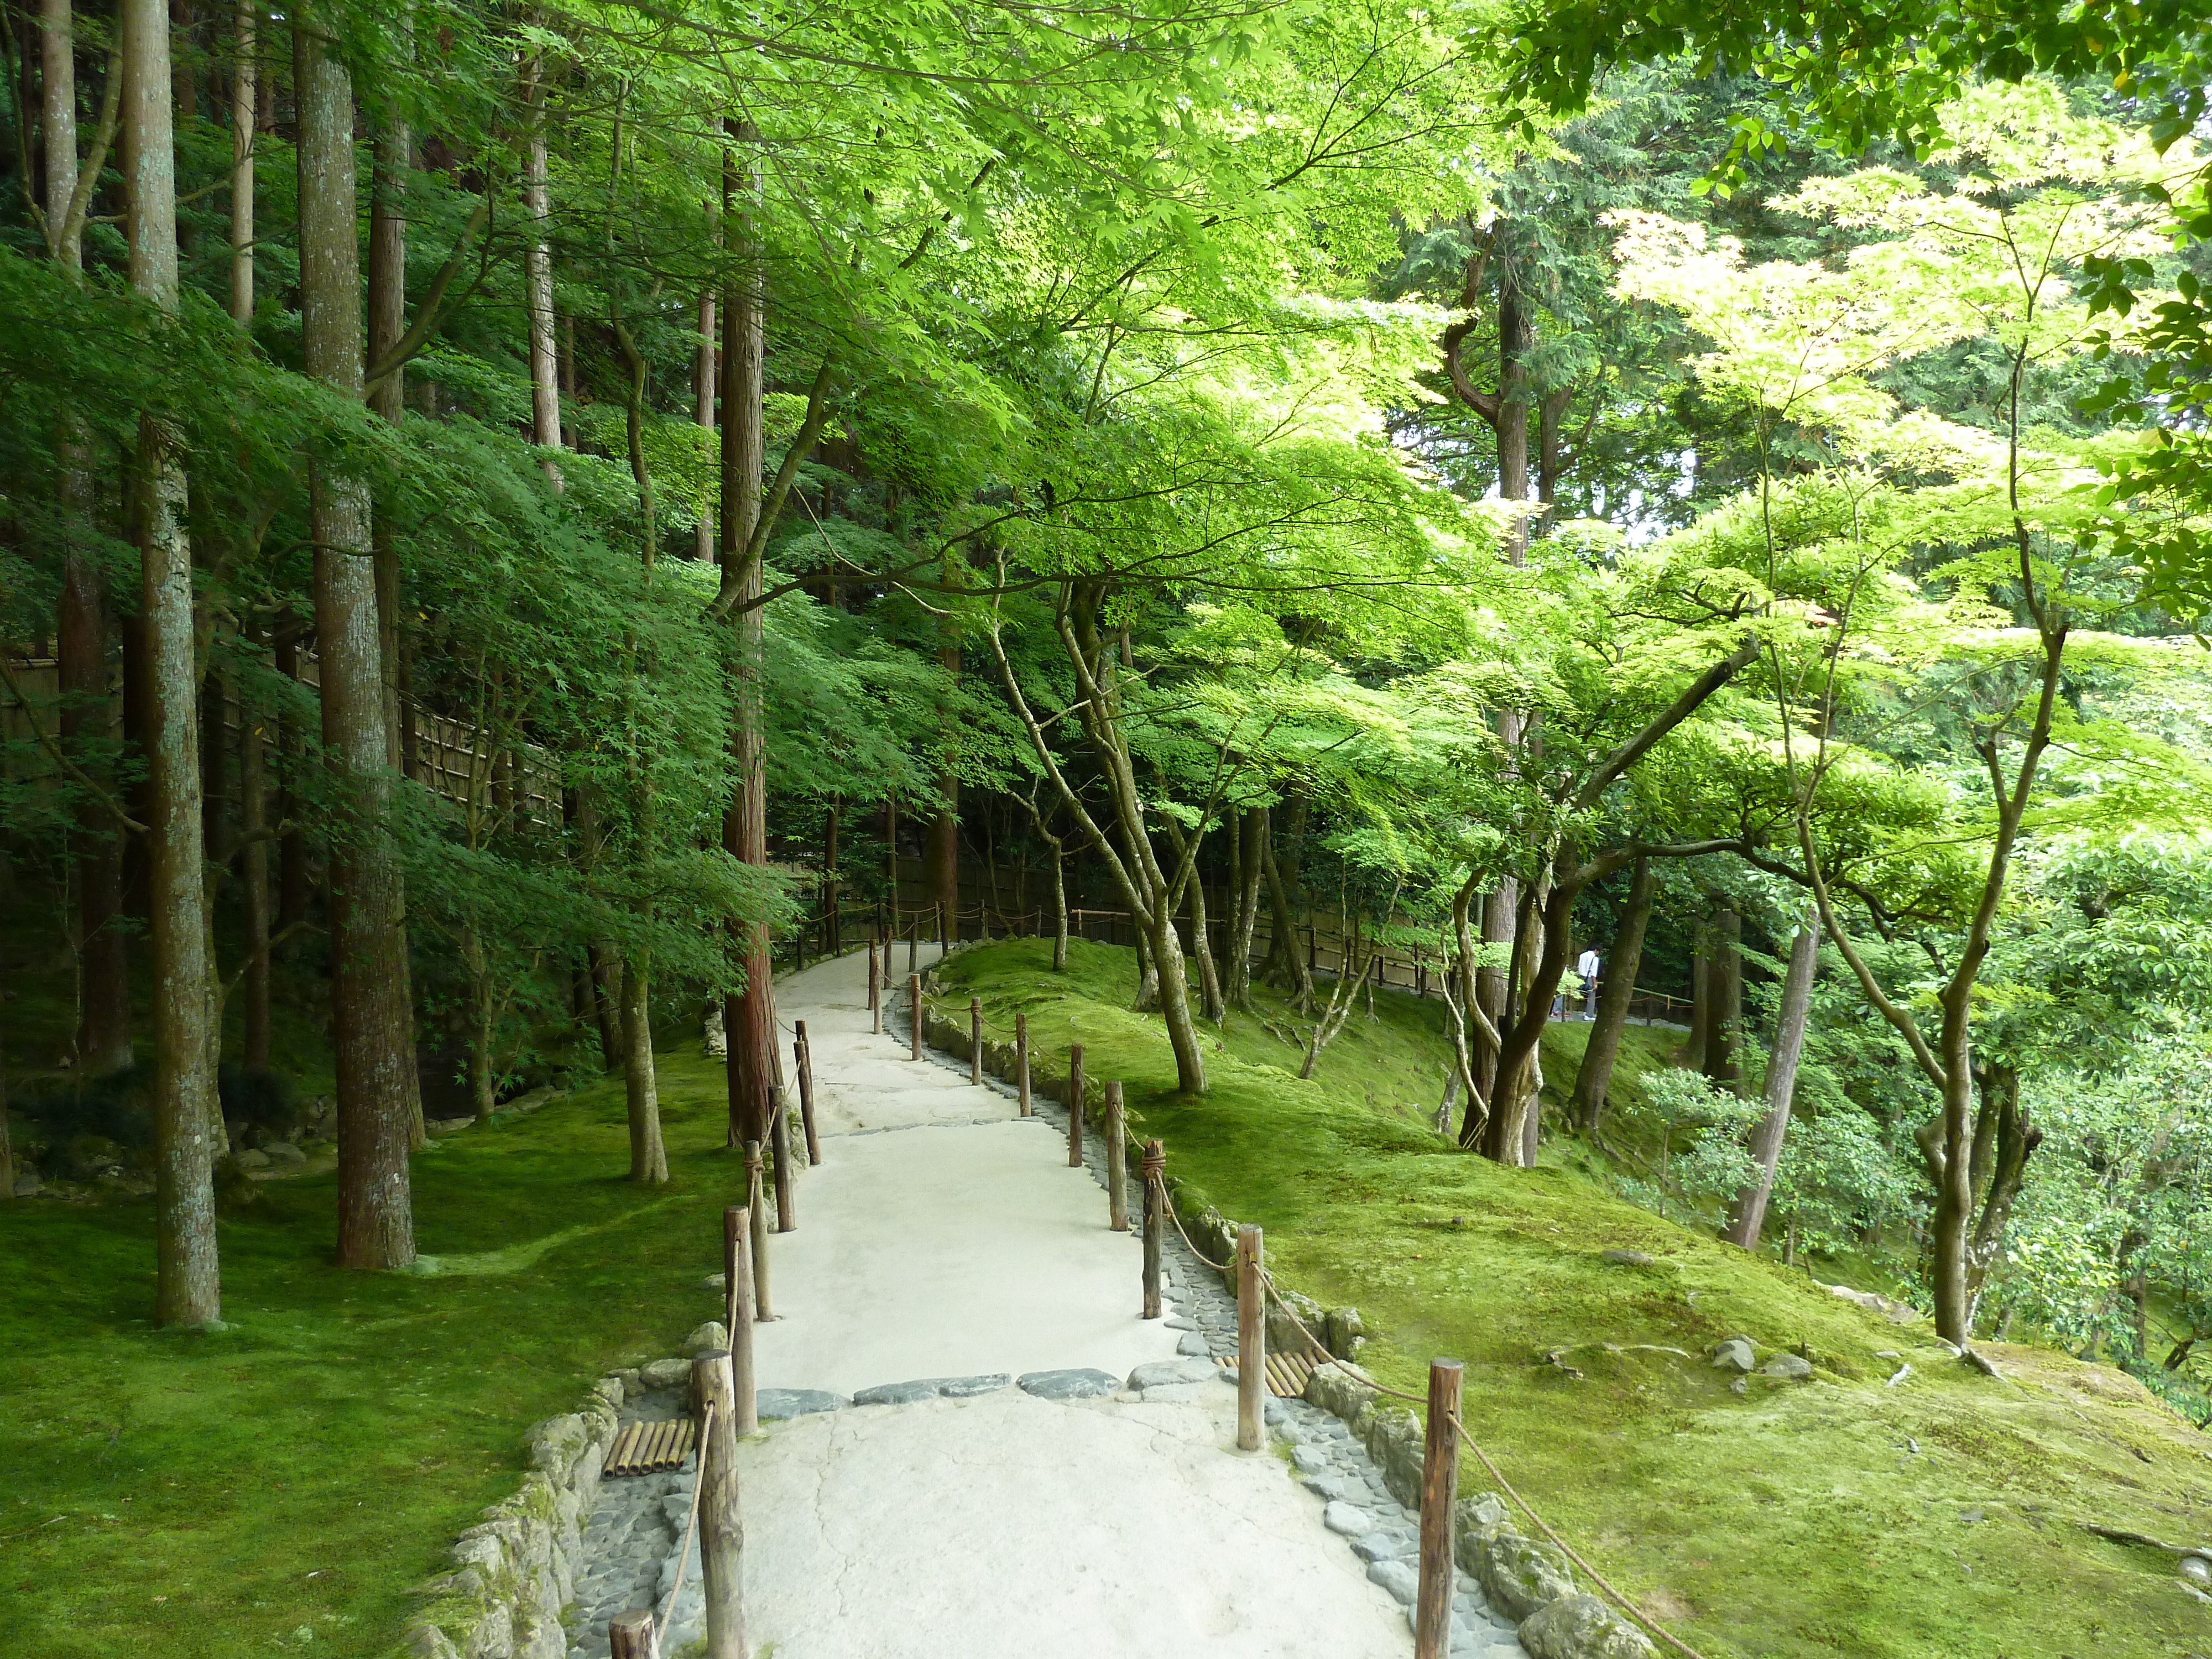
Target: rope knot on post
1154,1163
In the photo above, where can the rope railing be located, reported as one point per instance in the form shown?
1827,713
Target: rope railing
667,1608
1157,1175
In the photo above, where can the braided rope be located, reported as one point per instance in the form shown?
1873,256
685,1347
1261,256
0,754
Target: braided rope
691,1528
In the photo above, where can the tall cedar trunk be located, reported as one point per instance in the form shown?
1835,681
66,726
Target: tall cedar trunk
749,1016
1516,339
1723,1056
538,269
394,159
648,1157
1750,1218
244,76
186,1125
368,942
1616,990
606,1001
132,634
103,1035
214,768
704,383
292,845
57,127
641,1083
253,871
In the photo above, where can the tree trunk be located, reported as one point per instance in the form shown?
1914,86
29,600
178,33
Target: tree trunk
292,845
186,1124
1058,909
1283,928
648,1157
749,1016
1209,978
57,128
484,1018
1701,991
394,158
1723,1057
2004,1141
1251,848
704,383
1616,990
368,942
538,269
243,129
1781,1085
253,870
833,923
606,1002
103,1036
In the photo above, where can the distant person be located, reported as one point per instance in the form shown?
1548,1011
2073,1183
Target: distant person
1587,965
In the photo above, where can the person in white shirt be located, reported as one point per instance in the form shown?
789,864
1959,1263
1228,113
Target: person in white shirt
1587,965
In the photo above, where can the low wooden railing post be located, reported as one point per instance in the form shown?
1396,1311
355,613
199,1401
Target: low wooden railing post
1439,1487
913,943
1117,1161
913,991
779,1140
1251,1341
1022,1059
975,1040
1155,1173
1074,1105
630,1635
941,940
803,1052
757,1204
722,1532
737,1257
876,986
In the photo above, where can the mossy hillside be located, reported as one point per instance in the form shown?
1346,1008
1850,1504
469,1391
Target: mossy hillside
277,1486
1793,1520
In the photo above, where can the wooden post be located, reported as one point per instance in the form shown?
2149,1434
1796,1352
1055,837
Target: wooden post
757,1203
787,1204
803,1051
913,990
940,930
1439,1486
1074,1105
1117,1161
1156,1160
975,1040
1022,1059
913,944
737,1250
876,986
630,1634
1251,1342
722,1532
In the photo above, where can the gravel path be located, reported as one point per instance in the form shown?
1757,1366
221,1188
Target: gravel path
1062,1477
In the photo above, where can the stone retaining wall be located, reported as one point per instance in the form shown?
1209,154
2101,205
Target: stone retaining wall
515,1572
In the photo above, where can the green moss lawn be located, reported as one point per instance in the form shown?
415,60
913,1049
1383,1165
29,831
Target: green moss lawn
275,1488
1841,1516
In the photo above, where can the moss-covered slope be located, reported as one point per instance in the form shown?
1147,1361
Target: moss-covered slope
1842,1515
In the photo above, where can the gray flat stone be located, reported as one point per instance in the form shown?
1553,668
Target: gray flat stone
1156,1372
966,1387
1331,1487
1177,1322
1379,1545
896,1394
1072,1384
1312,1459
778,1404
665,1373
1403,1582
1193,1345
1347,1519
1794,1367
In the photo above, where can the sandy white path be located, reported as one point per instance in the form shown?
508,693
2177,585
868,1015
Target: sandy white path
944,1237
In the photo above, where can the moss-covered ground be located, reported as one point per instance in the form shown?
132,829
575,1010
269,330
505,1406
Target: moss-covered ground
1940,1516
276,1488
